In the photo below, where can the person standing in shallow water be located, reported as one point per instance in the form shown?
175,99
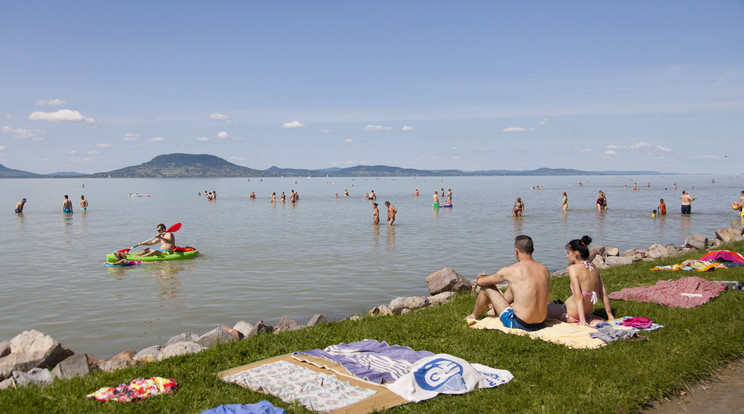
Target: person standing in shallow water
83,203
375,214
687,200
564,206
390,213
20,204
67,205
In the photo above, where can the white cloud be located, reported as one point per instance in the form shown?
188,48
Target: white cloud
130,137
23,133
67,115
577,149
71,152
407,128
518,129
156,139
638,145
202,139
293,124
543,122
219,116
50,102
454,148
103,145
93,152
348,140
663,149
223,135
2,147
610,152
614,147
456,157
86,159
326,131
377,128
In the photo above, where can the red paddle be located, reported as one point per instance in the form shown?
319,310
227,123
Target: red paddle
172,229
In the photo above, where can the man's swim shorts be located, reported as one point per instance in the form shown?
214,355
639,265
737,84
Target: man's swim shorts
510,320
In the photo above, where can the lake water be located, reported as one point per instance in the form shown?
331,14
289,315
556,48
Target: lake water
260,261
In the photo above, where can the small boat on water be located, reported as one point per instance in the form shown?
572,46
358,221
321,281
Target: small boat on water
181,253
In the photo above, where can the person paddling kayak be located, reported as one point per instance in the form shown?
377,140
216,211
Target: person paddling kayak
167,243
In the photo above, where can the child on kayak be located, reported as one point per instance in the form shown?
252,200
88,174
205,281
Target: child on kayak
121,260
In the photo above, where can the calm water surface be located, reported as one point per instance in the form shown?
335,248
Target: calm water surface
322,255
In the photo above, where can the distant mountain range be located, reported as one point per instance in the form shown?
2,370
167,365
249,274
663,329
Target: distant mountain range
205,165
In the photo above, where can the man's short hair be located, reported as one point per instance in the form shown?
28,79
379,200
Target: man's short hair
524,244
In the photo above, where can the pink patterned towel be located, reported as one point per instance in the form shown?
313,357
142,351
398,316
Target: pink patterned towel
687,292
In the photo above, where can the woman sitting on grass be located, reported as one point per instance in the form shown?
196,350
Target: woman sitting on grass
586,285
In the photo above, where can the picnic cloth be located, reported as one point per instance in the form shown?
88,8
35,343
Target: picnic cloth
369,359
446,374
136,390
687,292
562,333
316,391
261,407
692,264
724,256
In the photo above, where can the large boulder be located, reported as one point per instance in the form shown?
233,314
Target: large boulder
121,360
724,235
179,348
441,298
32,349
38,376
635,254
564,272
599,262
260,328
657,251
147,355
618,260
244,328
595,251
317,319
286,324
183,337
72,367
446,280
4,348
397,305
381,310
214,337
612,251
696,241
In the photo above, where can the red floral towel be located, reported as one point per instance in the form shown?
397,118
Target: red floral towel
136,390
687,292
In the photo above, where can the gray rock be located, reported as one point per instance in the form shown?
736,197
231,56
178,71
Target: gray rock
32,349
564,272
72,367
38,376
696,241
724,235
244,328
381,310
4,348
715,243
260,328
414,302
672,248
355,318
595,251
654,254
612,251
441,298
179,348
738,224
286,324
446,280
635,253
404,311
147,355
113,365
214,337
598,261
317,319
183,337
618,260
8,383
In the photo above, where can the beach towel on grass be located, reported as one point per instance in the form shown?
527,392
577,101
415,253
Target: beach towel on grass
369,359
724,256
562,333
136,390
290,382
261,407
446,374
692,264
687,292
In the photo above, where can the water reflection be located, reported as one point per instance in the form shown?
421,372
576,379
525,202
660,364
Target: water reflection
517,225
163,275
390,238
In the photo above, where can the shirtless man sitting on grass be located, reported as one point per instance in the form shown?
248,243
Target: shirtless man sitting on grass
524,303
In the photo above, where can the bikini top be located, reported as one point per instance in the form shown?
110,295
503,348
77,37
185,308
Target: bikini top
590,266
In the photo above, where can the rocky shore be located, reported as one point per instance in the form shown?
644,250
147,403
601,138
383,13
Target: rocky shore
34,357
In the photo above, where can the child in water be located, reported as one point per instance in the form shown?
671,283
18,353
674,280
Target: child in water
121,260
653,213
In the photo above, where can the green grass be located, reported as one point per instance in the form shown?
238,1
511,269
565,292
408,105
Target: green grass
621,377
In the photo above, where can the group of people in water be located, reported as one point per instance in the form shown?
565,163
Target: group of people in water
523,304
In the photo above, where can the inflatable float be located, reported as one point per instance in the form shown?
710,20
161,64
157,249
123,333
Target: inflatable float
176,255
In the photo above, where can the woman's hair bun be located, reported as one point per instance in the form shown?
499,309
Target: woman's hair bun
586,240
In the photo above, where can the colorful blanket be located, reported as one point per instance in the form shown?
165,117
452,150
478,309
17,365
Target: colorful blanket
687,292
261,407
692,264
446,374
369,359
724,256
138,389
290,382
562,333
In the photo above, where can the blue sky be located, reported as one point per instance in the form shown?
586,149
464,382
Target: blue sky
91,86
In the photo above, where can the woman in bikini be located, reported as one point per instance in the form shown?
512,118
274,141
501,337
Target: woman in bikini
587,286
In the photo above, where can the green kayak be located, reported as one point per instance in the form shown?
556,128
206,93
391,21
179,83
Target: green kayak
155,258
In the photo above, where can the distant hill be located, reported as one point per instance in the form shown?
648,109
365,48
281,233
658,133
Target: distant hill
205,165
183,165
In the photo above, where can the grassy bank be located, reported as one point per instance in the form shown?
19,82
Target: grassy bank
620,377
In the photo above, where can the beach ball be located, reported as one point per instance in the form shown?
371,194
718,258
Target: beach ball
736,206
